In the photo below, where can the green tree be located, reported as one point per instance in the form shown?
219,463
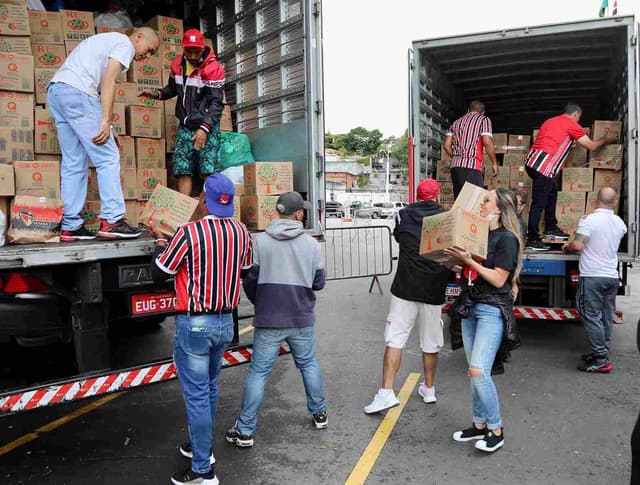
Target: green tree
400,150
363,179
362,141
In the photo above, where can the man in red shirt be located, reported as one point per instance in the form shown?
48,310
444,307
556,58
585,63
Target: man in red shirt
544,161
206,258
465,141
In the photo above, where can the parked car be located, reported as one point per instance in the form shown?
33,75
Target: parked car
376,211
355,205
334,209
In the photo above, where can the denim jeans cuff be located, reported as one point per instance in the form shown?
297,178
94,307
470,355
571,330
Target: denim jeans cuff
494,425
477,420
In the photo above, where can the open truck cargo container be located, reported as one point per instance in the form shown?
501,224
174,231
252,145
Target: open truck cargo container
524,76
74,292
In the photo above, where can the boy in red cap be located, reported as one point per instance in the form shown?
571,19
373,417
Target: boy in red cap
417,293
197,79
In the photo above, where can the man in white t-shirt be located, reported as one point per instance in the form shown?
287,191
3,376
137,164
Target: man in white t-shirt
597,240
80,98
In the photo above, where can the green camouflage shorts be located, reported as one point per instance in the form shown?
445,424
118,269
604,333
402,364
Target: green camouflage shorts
185,157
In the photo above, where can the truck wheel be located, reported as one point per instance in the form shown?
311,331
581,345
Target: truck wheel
375,215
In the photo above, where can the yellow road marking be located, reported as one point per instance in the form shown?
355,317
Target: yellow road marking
27,438
368,459
246,329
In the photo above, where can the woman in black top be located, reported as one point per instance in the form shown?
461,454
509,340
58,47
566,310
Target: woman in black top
488,291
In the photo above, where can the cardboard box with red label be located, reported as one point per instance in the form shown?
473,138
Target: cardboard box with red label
77,25
15,144
7,180
144,122
42,77
577,179
147,179
169,29
16,72
166,210
14,19
34,220
607,178
16,110
46,135
46,27
15,45
258,211
38,178
118,119
268,178
48,55
150,153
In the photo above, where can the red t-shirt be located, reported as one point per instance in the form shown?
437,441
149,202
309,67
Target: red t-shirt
552,145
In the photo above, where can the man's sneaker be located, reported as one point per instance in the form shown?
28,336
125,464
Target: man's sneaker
428,394
80,234
556,233
384,399
118,230
596,366
321,420
537,245
240,440
469,434
187,452
490,442
189,477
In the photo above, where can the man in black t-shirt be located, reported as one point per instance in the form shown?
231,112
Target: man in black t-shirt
418,291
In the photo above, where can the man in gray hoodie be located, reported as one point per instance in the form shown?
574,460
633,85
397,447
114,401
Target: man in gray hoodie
287,268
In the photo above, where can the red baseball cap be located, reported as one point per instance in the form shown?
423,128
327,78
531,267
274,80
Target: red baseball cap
193,38
428,189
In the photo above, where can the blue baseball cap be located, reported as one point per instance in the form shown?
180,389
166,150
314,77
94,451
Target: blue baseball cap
219,192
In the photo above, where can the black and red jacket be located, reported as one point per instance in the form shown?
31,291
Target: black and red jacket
200,95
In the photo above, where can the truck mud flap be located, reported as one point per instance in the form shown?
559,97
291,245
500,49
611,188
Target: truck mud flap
546,313
105,383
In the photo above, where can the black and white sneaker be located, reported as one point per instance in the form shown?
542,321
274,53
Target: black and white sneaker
189,477
118,230
469,434
557,234
490,442
537,245
321,420
80,234
187,452
240,440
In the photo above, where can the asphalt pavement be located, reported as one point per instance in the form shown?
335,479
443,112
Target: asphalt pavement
561,426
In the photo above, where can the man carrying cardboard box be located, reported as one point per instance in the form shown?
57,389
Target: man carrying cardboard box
544,161
80,97
197,79
597,240
464,144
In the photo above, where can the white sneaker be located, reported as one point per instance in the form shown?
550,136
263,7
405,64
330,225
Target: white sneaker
428,394
382,401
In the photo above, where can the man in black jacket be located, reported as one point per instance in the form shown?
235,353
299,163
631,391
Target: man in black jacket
418,291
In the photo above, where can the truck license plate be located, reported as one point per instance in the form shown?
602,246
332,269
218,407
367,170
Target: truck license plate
148,303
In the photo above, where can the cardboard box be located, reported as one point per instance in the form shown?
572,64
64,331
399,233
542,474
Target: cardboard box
146,74
93,191
443,171
167,210
15,144
518,178
268,178
150,153
168,52
46,135
601,128
77,25
500,180
38,178
148,178
7,180
166,74
127,152
470,198
46,27
132,212
513,159
171,133
577,179
501,141
607,178
129,183
50,56
5,204
569,223
118,120
48,157
16,72
577,157
570,203
457,227
42,76
258,211
169,29
35,220
16,110
592,203
14,19
446,194
444,155
105,30
519,143
535,135
126,93
607,156
15,45
69,45
148,102
91,215
144,122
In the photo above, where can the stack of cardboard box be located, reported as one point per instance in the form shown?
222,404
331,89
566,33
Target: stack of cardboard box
263,182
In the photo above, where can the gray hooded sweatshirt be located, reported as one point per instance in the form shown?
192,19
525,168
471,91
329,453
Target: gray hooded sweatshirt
288,267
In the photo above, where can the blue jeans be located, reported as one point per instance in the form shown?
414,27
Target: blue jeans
266,346
482,335
200,342
596,303
77,116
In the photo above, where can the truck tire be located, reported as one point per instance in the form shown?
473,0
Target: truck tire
375,215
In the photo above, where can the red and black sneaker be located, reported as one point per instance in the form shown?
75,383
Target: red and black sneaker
118,230
80,234
596,365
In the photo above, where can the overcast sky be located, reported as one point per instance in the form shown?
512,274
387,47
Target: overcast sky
366,44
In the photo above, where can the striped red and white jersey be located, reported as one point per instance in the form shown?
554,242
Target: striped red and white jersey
206,257
467,132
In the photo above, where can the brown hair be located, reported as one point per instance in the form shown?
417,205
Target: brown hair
507,203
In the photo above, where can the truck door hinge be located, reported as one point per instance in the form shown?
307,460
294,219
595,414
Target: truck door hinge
634,133
316,8
319,106
319,164
634,40
634,227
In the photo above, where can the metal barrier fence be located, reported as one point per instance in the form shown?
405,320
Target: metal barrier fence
358,252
